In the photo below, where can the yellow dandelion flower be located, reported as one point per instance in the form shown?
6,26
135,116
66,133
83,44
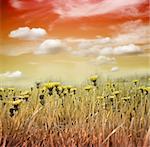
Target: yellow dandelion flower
116,92
11,89
55,84
17,102
26,93
135,81
126,98
1,89
88,88
93,78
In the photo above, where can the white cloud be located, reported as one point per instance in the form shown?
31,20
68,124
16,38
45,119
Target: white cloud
126,49
14,74
132,32
120,50
25,33
115,69
84,8
103,60
16,4
50,46
106,51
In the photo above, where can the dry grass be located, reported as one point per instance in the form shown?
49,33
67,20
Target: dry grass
110,114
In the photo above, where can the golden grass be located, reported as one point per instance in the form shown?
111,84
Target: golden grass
110,114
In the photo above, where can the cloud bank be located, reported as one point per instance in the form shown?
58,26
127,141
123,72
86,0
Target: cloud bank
14,74
25,33
50,46
86,8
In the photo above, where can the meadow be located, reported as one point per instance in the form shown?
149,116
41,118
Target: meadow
98,113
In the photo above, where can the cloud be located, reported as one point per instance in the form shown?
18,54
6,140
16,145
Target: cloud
121,50
50,46
132,32
115,69
98,51
25,33
16,4
103,60
127,49
85,8
14,74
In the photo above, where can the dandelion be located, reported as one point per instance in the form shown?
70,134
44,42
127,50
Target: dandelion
11,89
126,98
116,93
111,98
26,93
147,89
88,88
94,79
65,92
41,97
11,111
42,101
16,104
55,84
1,89
26,97
135,81
38,85
73,90
69,88
141,89
50,87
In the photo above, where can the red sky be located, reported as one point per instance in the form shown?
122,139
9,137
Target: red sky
70,18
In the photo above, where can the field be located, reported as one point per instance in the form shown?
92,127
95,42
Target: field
98,113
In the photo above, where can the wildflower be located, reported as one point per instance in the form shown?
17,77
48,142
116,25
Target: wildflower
135,81
69,88
126,98
11,89
111,97
88,88
26,97
43,89
11,111
142,89
17,102
65,92
41,96
50,87
38,85
59,90
1,89
26,93
94,79
116,93
55,84
42,100
73,90
147,89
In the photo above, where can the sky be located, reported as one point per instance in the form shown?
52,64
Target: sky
96,31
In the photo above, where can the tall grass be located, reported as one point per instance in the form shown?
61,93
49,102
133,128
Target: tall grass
108,113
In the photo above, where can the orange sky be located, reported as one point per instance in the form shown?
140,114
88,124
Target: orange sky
36,13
